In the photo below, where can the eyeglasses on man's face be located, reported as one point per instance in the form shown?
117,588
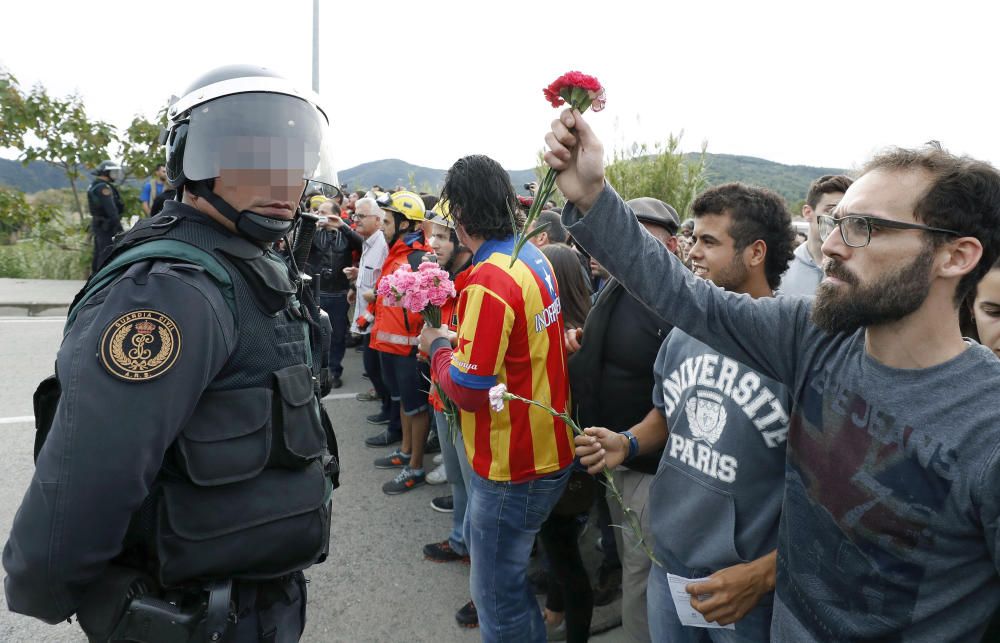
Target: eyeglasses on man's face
856,229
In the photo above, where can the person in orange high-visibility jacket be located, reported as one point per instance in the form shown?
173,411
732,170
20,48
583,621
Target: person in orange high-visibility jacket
395,335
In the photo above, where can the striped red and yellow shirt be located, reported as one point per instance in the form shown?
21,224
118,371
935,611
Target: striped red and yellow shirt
511,331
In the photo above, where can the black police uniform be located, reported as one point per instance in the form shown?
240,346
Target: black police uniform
331,253
188,441
106,209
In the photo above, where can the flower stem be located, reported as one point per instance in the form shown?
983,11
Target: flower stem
609,481
544,192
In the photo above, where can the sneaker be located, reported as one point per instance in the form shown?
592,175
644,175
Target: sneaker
443,504
368,396
467,615
404,481
438,459
394,460
337,382
443,553
437,476
378,418
383,439
433,444
556,632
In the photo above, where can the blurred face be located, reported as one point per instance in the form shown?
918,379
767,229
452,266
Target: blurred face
986,310
325,210
161,174
352,199
272,193
368,222
826,205
713,255
388,226
441,243
890,277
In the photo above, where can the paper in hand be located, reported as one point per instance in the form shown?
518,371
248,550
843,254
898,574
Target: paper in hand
688,615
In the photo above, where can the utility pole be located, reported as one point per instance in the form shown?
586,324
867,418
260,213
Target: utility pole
316,46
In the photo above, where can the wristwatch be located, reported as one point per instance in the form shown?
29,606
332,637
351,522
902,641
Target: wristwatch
633,445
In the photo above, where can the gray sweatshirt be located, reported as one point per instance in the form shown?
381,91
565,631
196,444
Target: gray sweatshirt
889,527
803,275
716,498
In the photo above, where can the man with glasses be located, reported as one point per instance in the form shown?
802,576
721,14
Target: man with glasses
890,526
368,223
804,272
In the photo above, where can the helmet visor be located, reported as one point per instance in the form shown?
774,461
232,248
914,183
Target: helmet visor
262,132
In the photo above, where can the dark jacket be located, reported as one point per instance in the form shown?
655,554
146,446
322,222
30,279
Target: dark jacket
611,376
331,253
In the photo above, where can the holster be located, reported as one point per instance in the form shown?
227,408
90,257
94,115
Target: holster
124,605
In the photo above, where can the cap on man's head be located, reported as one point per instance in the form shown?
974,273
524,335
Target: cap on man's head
656,212
317,201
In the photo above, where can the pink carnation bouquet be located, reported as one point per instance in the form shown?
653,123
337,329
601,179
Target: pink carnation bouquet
422,291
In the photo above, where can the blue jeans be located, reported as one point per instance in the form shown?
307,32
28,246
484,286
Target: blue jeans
665,626
335,304
502,521
456,465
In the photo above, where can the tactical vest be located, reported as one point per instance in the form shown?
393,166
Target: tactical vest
244,492
94,202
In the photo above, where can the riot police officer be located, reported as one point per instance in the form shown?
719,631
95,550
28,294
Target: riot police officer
106,209
183,461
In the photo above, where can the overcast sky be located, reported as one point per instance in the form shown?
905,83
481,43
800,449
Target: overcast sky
797,82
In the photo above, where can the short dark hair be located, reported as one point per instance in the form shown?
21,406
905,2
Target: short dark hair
556,231
756,214
429,201
158,166
964,196
827,184
481,197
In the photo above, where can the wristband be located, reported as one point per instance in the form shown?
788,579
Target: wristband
633,445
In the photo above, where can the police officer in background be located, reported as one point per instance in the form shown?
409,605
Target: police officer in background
106,209
183,462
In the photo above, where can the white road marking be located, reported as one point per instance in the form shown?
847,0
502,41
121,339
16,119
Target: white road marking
28,320
18,420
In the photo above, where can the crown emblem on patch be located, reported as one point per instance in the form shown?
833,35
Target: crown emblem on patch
140,345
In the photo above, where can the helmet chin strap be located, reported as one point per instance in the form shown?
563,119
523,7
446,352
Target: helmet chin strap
250,224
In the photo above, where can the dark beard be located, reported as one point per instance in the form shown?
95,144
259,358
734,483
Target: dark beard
889,299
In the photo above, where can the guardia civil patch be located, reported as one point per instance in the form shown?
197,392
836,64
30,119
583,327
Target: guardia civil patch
140,345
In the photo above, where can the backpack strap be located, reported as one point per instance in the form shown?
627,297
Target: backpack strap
156,249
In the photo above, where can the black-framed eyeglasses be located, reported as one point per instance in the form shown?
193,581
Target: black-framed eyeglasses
856,229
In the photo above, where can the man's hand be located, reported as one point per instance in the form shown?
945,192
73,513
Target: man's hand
574,337
429,334
351,273
334,222
599,448
369,296
352,296
734,590
578,156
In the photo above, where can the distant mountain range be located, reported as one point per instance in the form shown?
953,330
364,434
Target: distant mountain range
791,181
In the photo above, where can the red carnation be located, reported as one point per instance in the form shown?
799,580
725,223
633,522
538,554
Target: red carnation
579,90
582,92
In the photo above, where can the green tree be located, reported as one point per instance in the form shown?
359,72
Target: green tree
54,130
662,172
140,145
18,215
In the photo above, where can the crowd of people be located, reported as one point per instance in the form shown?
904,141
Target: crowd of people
695,436
797,431
693,417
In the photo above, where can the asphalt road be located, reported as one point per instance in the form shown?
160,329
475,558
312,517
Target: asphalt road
375,586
